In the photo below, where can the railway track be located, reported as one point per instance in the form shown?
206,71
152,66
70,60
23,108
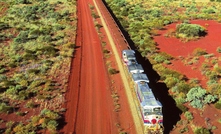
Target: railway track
119,43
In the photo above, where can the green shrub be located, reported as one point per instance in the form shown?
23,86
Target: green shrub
209,10
20,113
183,130
219,120
171,81
35,119
218,104
94,15
30,104
36,83
49,114
4,26
212,75
194,81
209,55
112,71
106,51
198,98
183,87
48,50
218,49
217,68
188,115
199,52
190,30
201,131
98,25
181,107
162,57
52,124
23,95
35,71
4,108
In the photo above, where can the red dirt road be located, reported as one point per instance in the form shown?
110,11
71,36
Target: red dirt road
89,111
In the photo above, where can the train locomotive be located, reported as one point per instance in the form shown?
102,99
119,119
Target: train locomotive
150,108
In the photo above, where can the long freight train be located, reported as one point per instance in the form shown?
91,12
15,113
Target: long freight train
149,107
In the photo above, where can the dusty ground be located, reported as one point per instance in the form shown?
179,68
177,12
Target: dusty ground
90,107
177,49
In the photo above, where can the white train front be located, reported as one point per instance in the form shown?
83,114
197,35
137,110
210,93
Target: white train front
149,107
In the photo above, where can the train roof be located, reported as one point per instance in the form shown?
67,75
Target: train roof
135,68
138,77
149,98
129,52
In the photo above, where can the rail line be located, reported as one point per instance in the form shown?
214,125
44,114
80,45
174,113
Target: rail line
119,43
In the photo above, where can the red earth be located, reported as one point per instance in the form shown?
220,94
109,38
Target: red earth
177,48
90,107
183,52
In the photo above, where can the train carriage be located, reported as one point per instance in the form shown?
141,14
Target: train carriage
138,77
149,107
135,68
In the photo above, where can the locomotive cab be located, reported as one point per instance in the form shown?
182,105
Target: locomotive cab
129,57
153,118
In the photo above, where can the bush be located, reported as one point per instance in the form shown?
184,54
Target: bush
171,81
112,71
183,87
209,55
218,49
52,125
218,104
188,115
198,98
190,30
181,107
201,131
162,57
30,104
3,26
20,113
49,114
4,108
199,52
183,130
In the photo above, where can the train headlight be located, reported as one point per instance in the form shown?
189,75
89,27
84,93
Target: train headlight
153,121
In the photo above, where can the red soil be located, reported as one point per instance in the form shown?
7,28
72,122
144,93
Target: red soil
178,49
89,104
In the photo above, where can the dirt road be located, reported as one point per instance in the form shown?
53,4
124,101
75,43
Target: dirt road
89,109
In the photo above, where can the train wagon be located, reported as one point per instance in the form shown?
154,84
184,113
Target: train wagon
135,68
150,108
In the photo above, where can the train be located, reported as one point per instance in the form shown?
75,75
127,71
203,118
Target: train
150,108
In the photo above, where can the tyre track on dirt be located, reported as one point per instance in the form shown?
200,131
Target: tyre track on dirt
92,117
74,84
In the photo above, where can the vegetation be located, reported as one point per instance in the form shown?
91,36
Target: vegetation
199,52
185,30
112,71
201,130
188,115
36,45
198,97
142,20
